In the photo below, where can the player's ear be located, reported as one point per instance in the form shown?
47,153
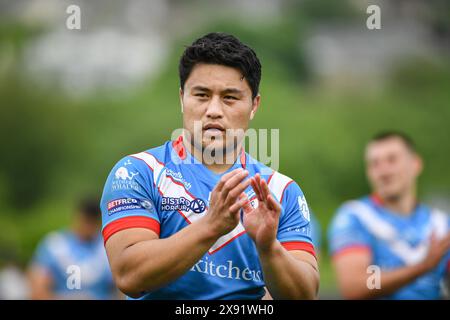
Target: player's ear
419,164
255,106
181,100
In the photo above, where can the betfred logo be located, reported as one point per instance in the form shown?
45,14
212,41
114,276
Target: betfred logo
127,204
118,202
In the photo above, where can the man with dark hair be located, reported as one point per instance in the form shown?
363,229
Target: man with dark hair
388,245
184,221
72,264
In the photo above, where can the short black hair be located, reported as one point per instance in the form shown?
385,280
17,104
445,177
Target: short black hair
406,139
223,49
89,207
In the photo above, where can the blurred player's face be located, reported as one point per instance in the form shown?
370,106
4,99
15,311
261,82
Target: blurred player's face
220,99
87,228
392,168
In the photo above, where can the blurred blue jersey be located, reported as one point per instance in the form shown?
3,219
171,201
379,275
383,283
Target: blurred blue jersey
316,231
62,254
165,189
394,240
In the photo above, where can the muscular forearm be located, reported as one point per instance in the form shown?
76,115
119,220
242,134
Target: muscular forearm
150,264
287,277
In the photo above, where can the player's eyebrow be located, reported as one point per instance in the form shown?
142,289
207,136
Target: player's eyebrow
232,91
200,88
223,92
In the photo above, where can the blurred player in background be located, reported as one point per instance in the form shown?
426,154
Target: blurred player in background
391,229
316,233
72,264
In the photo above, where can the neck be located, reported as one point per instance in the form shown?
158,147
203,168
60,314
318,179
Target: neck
403,204
216,165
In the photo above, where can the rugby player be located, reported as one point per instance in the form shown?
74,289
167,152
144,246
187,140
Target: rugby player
390,229
71,263
177,225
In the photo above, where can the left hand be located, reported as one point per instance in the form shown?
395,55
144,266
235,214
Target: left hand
261,223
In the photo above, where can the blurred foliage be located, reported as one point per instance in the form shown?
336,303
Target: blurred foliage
55,147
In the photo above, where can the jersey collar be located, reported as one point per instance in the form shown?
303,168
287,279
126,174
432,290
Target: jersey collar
185,156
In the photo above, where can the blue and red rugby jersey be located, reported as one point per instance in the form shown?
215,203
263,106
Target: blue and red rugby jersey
165,189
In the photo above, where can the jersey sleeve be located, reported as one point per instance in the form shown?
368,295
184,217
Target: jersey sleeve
43,257
129,198
294,230
347,233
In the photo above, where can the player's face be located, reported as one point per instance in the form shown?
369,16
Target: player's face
392,168
218,99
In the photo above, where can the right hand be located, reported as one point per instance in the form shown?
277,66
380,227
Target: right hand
437,249
224,209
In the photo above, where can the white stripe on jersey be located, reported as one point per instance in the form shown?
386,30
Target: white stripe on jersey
169,188
278,183
386,232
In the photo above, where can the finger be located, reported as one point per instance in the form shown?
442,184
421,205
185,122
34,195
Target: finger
247,206
447,236
433,238
264,188
241,203
226,177
258,183
233,182
445,242
256,189
234,193
274,204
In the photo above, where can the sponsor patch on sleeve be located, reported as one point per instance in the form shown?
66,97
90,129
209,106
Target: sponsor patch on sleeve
126,204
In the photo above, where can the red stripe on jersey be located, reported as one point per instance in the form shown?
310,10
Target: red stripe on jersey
268,180
351,249
128,223
376,199
299,245
243,159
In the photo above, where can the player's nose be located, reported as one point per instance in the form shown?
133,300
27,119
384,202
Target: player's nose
215,108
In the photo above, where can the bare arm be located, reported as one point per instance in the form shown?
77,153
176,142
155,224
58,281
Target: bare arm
40,283
141,262
351,270
290,274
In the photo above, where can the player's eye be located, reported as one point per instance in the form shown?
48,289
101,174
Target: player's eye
230,98
201,95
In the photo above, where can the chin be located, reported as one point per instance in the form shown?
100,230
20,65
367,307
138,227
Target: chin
390,195
209,147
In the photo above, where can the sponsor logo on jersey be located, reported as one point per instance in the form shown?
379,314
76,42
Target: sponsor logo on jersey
123,174
124,179
177,176
125,204
303,207
182,204
228,270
